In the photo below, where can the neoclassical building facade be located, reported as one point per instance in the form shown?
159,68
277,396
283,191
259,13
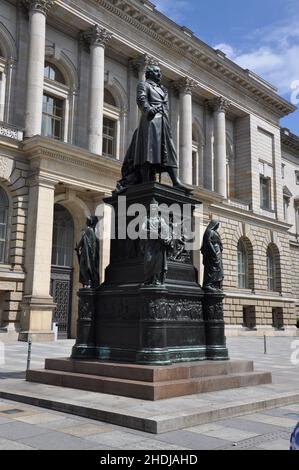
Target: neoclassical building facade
68,76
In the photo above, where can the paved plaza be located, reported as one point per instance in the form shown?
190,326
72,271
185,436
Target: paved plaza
23,426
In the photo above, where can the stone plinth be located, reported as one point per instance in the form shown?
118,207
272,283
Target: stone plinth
149,382
85,343
216,349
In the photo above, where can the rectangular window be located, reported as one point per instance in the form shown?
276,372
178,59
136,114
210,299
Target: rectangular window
265,192
283,170
52,121
297,177
109,135
286,202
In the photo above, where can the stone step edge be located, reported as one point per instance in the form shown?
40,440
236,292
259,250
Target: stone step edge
156,425
146,390
99,378
149,373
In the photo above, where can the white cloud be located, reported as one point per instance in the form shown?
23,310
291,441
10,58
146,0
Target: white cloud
227,49
175,9
274,54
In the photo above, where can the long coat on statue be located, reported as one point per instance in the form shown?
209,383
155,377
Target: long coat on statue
154,143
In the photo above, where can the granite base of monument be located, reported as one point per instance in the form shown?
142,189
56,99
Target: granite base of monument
148,382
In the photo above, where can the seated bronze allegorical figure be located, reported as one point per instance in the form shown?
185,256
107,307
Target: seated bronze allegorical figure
152,148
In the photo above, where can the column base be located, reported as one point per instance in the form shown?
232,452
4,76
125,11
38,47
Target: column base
36,336
36,319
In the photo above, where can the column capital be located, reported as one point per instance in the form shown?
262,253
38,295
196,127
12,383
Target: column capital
185,85
97,36
42,6
142,62
219,104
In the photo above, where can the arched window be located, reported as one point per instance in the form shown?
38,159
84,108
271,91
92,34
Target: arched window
56,104
273,269
51,72
243,281
109,98
4,208
111,126
63,237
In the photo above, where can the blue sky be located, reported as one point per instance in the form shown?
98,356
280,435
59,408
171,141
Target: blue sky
262,35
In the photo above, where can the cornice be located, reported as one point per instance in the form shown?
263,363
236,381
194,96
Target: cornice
290,140
40,147
251,217
181,40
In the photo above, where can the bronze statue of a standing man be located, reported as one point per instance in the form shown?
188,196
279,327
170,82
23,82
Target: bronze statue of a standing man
152,148
155,151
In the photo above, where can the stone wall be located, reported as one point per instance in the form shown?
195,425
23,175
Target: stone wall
13,181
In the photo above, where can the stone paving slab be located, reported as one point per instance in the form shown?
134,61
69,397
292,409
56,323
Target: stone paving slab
167,415
110,437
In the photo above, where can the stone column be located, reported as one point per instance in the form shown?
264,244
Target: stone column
38,306
220,106
185,155
97,38
36,63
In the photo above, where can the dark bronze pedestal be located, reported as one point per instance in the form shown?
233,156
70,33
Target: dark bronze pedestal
149,324
85,346
214,326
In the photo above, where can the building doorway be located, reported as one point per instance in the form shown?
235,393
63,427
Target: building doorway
62,269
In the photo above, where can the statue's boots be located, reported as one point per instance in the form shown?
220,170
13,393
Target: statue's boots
173,173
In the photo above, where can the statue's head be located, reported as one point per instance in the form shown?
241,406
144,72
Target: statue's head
91,221
153,72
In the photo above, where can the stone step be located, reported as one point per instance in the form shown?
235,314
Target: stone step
149,373
148,390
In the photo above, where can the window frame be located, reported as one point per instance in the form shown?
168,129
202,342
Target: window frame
54,116
65,93
114,114
70,227
242,260
268,205
271,268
